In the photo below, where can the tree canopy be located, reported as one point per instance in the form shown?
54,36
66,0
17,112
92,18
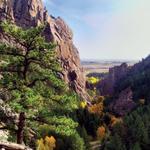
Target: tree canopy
31,80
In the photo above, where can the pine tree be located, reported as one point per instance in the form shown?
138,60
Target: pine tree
31,75
136,146
115,143
26,66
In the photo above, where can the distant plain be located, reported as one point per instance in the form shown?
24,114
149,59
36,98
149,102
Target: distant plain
102,66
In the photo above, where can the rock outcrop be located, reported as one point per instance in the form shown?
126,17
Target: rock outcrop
13,146
30,13
8,120
124,103
107,85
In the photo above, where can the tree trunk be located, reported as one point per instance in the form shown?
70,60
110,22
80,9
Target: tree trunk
20,130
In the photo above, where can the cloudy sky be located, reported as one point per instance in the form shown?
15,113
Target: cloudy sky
107,29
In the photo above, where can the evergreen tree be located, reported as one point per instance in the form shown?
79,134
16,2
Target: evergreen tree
136,146
31,75
115,143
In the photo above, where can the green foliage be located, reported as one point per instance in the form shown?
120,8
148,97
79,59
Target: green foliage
31,74
138,78
136,146
97,75
68,137
115,143
89,120
133,133
83,133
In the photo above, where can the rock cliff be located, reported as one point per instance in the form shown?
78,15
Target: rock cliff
124,103
107,85
28,13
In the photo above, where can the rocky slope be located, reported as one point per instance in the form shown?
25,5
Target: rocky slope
124,103
107,85
28,13
127,86
138,78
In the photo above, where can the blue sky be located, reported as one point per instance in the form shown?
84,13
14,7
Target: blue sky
106,29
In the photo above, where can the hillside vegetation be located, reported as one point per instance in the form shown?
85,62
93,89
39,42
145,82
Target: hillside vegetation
31,86
138,78
39,109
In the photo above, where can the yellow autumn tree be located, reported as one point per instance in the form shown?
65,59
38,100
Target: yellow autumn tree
83,104
98,105
93,80
49,143
101,132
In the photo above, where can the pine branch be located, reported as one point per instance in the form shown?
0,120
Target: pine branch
2,70
34,82
11,54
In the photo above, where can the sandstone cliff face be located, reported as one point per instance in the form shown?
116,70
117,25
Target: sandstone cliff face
28,13
124,103
107,85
